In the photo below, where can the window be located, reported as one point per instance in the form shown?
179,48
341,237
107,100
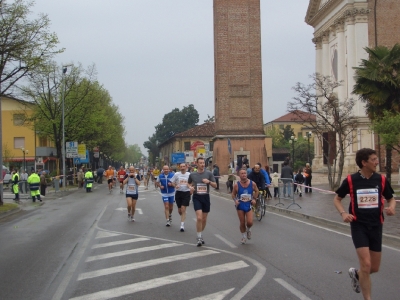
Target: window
43,141
19,142
282,126
18,119
211,146
186,146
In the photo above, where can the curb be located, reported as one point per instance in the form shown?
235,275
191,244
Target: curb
386,238
10,212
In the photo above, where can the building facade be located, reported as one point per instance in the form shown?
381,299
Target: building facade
342,29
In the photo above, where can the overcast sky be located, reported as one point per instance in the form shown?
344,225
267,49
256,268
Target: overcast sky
155,55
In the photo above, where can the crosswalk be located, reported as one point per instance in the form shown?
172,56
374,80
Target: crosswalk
128,267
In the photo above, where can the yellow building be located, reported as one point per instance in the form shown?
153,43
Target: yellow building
300,129
20,142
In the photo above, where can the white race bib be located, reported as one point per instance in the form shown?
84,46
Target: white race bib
201,188
245,197
368,198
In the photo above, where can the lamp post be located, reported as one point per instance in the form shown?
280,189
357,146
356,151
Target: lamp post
292,141
24,151
308,136
64,71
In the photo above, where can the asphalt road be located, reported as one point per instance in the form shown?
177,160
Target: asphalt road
83,247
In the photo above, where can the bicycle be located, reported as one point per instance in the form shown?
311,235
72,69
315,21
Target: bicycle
259,207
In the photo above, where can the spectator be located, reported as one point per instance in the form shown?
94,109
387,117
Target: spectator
287,179
275,184
43,184
308,175
299,179
231,179
216,175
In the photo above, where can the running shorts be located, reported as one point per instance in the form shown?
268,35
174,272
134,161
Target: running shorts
109,181
169,199
201,202
245,206
364,235
134,197
182,198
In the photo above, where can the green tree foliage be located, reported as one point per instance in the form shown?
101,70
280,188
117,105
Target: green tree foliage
25,44
152,145
278,140
287,132
210,119
334,116
388,128
177,121
378,85
133,154
90,115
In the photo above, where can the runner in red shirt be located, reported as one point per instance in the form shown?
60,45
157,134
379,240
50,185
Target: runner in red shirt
121,176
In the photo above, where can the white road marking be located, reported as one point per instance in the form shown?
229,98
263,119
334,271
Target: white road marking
122,242
226,241
143,264
103,234
139,210
162,281
75,260
132,251
216,296
291,289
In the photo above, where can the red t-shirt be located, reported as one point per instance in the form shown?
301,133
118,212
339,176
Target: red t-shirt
121,175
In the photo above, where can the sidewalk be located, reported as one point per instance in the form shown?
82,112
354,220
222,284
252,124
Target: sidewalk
318,206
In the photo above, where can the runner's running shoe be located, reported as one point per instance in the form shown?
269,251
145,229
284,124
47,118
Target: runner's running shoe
354,281
199,243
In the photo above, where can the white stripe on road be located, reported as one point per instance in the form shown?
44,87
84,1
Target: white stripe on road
119,243
103,234
143,264
216,296
127,252
291,289
158,282
226,241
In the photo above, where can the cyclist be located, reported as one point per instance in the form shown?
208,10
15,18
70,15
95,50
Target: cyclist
244,194
256,176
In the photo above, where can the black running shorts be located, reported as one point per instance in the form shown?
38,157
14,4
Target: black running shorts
201,202
364,235
182,198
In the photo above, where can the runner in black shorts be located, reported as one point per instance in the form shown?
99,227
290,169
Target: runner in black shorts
367,190
182,194
200,182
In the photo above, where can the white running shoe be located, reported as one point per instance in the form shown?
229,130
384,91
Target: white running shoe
199,243
248,234
182,229
168,223
243,241
354,281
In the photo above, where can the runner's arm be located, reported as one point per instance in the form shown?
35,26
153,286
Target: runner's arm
391,209
337,201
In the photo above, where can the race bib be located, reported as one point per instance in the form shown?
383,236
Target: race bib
245,197
109,177
182,181
201,188
368,198
122,176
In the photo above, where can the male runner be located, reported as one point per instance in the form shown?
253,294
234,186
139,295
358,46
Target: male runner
146,174
367,191
156,173
109,174
244,194
167,192
182,194
132,181
199,183
114,177
121,177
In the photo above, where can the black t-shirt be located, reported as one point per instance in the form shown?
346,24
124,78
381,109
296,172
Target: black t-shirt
364,190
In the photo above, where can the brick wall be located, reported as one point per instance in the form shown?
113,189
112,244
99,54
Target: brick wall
238,79
388,22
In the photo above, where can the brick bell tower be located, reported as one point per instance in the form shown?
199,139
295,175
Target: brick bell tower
238,83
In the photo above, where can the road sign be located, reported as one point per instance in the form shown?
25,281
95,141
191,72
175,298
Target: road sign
178,157
71,149
229,147
82,151
77,161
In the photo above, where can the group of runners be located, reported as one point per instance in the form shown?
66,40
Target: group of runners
367,190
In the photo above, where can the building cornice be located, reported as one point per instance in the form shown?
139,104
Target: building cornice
348,15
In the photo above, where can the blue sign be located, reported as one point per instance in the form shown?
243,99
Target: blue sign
229,147
178,157
78,161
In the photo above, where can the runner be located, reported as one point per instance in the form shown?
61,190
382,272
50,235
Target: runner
114,177
244,194
146,174
132,181
199,183
121,177
156,173
182,194
367,190
109,173
167,192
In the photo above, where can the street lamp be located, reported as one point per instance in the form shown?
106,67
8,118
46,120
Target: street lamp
24,151
292,141
308,136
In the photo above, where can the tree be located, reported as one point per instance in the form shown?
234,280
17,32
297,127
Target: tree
387,128
25,44
287,132
152,145
133,154
378,85
210,119
277,138
335,123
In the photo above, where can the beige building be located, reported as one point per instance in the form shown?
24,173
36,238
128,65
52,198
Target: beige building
342,29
